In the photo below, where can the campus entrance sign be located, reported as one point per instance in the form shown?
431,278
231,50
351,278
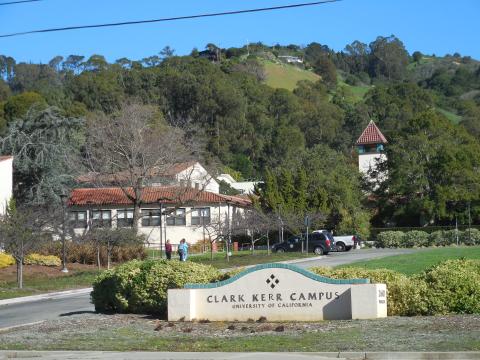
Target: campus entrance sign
278,292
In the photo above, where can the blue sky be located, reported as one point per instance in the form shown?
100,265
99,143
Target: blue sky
430,26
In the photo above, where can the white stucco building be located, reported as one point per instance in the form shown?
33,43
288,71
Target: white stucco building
190,173
243,187
371,147
172,212
6,182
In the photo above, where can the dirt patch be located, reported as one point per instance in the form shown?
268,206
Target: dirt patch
9,273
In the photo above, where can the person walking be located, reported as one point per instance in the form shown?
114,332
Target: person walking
168,250
181,250
185,248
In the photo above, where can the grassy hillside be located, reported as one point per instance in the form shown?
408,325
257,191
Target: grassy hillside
286,76
454,118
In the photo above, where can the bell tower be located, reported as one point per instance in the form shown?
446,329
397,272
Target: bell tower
371,149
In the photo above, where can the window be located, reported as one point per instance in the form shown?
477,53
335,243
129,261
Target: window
176,218
101,218
201,216
78,219
151,217
125,218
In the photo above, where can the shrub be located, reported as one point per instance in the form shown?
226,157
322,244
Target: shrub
6,260
389,239
44,260
453,287
404,296
415,238
86,253
141,287
470,237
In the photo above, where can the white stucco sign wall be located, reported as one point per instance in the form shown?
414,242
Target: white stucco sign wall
278,292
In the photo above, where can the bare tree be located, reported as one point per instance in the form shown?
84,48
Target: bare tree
22,230
130,147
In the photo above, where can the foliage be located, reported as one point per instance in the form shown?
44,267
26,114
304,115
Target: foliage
45,146
404,295
415,238
86,252
449,287
453,287
141,287
45,260
6,260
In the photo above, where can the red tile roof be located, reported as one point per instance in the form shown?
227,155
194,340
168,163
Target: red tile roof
371,135
150,195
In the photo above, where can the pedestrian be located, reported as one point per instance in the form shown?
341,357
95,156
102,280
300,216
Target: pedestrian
168,250
181,250
185,249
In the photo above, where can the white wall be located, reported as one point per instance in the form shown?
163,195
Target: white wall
368,162
6,183
197,174
192,233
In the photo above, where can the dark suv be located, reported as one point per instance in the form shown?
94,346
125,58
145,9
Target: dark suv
319,243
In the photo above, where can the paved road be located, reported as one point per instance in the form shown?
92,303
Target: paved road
18,314
341,258
50,309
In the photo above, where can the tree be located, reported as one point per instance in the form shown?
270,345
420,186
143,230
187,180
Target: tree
18,106
46,150
417,56
22,230
326,69
432,169
388,58
167,52
129,147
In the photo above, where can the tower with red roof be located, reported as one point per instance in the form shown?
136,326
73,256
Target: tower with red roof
371,147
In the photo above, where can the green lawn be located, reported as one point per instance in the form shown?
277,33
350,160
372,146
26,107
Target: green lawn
454,118
245,258
39,284
410,264
286,76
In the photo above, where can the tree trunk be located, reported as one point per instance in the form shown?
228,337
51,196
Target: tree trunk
211,250
98,257
20,274
253,244
109,252
268,244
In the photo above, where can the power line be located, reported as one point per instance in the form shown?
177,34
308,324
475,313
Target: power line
235,12
18,2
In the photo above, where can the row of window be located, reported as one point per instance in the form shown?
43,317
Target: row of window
149,217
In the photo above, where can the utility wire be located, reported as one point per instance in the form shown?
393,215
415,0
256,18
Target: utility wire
18,2
235,12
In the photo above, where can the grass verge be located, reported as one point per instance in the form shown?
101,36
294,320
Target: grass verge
39,280
245,258
415,263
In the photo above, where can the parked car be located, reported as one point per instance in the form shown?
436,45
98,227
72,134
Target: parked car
343,243
318,243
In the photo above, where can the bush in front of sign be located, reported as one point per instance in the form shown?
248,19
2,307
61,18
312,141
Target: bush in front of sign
141,286
453,287
405,295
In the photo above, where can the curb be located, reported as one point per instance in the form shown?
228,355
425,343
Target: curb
48,296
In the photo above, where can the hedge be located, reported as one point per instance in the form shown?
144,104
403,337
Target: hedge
141,286
417,238
45,260
6,260
451,287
